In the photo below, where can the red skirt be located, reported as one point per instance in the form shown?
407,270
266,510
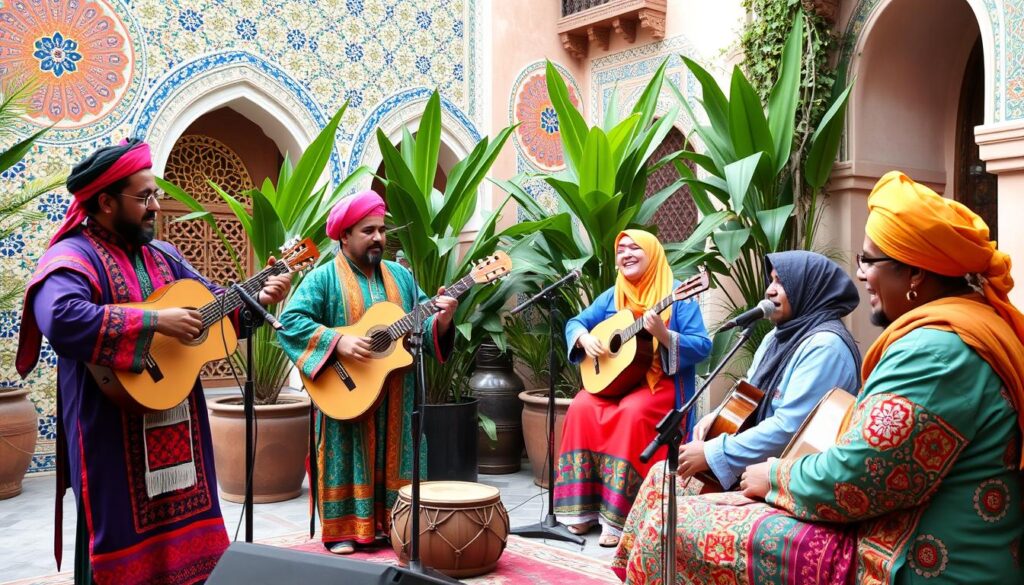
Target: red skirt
599,468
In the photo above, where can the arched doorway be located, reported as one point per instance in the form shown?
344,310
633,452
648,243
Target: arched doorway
920,69
975,187
229,149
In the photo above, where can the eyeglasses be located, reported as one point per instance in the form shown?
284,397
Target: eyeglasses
148,200
864,261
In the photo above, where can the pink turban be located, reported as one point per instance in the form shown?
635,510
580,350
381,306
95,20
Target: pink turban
351,210
97,172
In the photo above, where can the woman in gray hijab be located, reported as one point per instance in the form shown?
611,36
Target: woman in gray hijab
808,353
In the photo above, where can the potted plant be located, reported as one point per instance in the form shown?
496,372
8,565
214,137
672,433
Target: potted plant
19,422
296,206
431,222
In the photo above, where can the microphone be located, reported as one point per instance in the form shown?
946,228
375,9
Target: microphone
763,310
572,276
256,308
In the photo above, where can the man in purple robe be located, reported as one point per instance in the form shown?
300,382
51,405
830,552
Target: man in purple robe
144,484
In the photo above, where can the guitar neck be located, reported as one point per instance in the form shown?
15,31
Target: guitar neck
229,301
638,325
406,323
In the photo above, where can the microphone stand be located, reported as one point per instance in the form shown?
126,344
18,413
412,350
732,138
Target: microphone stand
415,344
670,434
247,324
550,527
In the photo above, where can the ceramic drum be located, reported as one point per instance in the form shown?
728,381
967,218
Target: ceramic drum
463,527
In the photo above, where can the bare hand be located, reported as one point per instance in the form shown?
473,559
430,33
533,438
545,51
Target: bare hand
754,481
700,430
691,459
445,310
592,345
352,347
183,324
656,327
276,288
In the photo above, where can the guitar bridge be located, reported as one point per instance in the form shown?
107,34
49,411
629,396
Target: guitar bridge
153,369
345,376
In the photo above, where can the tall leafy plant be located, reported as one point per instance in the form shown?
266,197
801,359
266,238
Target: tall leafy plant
429,224
768,184
296,206
604,189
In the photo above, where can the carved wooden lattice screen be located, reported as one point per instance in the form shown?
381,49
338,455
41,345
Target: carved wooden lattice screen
677,217
193,160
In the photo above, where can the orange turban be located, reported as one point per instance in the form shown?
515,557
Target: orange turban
911,223
655,284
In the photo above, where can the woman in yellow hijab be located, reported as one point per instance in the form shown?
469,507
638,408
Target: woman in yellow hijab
599,471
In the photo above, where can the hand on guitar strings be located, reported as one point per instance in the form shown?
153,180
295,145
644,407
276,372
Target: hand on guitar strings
754,481
183,324
353,347
700,430
592,345
691,459
446,306
276,288
656,327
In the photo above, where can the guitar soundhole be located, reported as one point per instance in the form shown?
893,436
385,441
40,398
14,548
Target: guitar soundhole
381,343
615,343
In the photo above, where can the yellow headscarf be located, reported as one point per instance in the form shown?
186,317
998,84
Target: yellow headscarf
911,223
655,284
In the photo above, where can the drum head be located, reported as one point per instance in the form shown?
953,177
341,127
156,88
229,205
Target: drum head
457,494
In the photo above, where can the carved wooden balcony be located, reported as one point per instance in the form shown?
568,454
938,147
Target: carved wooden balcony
594,21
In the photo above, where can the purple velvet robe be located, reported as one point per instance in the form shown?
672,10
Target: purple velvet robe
143,527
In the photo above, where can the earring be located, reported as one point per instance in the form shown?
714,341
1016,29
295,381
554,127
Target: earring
911,295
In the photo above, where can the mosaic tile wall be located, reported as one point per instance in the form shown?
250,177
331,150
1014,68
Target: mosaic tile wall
107,67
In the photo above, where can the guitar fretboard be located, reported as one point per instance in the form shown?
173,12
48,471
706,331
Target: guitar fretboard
405,324
229,301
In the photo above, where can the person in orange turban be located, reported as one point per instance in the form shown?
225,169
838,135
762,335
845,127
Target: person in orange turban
599,470
929,464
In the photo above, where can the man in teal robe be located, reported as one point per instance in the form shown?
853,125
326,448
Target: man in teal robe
361,464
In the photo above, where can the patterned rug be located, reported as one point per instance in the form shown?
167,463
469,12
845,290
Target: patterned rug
524,562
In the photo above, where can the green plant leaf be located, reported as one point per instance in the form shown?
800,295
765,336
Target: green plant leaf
596,171
308,171
715,103
572,126
785,94
773,224
730,242
651,205
193,215
428,143
738,176
12,155
825,142
747,124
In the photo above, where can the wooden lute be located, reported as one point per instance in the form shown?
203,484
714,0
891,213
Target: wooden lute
630,347
172,365
350,390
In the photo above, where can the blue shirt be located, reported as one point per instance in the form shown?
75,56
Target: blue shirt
821,363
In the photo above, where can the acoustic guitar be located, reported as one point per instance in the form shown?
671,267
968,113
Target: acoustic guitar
630,346
734,415
172,365
351,389
820,429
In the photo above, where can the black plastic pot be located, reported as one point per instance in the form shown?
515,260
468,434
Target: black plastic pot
451,434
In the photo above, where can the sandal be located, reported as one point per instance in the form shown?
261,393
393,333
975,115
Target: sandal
608,541
581,528
345,547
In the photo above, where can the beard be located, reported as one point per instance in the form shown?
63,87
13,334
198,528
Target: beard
134,233
878,318
373,255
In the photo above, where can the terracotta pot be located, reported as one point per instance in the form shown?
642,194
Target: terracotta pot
535,429
282,443
19,427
